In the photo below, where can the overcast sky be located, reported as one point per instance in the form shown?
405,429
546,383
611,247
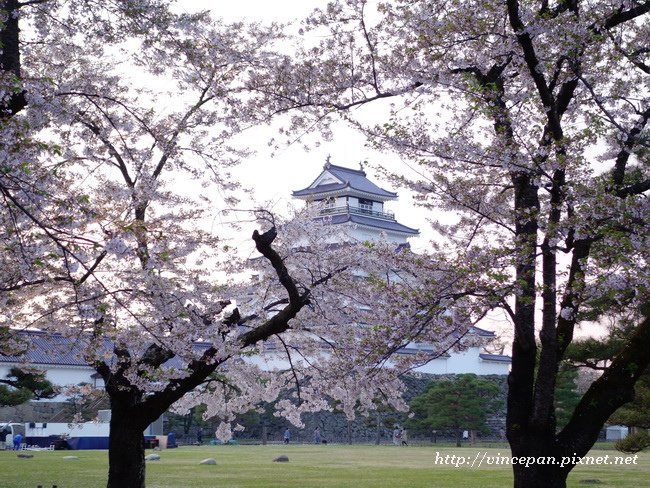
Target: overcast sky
274,178
293,168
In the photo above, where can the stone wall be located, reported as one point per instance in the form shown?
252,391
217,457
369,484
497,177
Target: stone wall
35,412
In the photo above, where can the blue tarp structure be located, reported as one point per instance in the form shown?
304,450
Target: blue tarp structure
81,443
72,442
88,443
171,440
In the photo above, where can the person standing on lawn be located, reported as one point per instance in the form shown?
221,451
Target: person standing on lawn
18,438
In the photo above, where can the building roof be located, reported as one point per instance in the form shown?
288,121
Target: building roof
482,332
348,179
382,224
53,349
499,358
50,349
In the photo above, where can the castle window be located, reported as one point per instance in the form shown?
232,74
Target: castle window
365,205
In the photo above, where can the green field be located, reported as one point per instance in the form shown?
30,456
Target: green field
309,467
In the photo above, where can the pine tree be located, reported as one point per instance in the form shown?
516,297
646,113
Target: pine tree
460,403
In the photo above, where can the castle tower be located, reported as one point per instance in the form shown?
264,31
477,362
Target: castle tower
349,198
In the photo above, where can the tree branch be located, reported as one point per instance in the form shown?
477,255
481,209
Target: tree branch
613,389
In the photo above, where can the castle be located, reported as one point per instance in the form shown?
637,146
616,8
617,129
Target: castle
348,199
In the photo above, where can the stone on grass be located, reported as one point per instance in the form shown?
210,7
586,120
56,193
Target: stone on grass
281,459
25,456
70,457
209,461
152,457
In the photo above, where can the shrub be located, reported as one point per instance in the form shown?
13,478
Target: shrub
634,442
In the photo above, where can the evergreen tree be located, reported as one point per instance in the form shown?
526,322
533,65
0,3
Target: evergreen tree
637,412
460,403
22,385
566,394
596,354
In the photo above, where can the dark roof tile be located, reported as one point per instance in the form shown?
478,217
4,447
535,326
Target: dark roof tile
387,225
499,358
43,348
350,178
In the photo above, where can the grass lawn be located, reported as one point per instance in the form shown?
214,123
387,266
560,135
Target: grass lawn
309,467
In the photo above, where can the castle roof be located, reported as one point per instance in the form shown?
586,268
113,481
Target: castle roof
385,225
340,180
482,332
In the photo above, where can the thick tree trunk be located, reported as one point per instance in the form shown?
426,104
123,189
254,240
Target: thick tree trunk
10,59
539,476
126,465
538,461
541,444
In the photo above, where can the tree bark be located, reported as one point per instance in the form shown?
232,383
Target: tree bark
521,379
540,476
10,58
126,465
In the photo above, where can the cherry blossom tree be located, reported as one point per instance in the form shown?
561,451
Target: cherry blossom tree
110,194
98,243
33,228
528,122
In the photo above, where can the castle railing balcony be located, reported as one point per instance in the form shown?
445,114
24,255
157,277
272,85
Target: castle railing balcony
359,210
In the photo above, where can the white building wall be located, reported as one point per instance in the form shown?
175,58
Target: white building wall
368,234
467,361
340,202
268,361
86,429
616,432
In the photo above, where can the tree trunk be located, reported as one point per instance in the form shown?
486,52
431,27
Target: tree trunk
11,103
126,465
539,476
538,461
378,432
459,434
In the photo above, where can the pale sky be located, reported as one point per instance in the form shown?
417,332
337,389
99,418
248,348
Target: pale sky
274,178
293,168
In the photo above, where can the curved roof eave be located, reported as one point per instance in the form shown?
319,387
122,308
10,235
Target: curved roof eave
387,225
340,190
